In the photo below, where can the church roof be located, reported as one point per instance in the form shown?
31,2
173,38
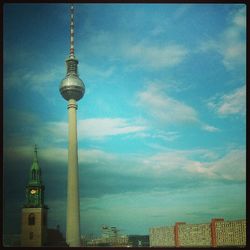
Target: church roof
35,177
35,164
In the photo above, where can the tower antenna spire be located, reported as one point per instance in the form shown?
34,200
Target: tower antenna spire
72,52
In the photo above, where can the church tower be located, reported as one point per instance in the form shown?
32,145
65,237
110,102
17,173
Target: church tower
34,212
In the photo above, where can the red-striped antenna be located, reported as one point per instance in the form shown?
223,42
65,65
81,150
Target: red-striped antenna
72,87
72,32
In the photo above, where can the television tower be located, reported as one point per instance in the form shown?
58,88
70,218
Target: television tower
72,89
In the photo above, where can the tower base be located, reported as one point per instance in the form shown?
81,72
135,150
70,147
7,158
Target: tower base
34,227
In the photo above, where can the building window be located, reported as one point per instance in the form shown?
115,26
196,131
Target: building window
31,219
31,235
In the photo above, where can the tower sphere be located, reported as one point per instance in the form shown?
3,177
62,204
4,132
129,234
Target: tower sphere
72,87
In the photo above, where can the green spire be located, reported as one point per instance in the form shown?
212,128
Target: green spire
35,171
35,189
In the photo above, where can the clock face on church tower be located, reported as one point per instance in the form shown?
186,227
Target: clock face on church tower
34,196
33,191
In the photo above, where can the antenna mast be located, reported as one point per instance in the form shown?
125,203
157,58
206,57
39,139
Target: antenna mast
72,32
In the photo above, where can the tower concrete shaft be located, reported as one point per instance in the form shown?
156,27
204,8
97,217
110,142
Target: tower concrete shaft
72,89
73,205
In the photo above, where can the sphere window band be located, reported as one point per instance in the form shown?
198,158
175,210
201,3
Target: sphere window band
72,92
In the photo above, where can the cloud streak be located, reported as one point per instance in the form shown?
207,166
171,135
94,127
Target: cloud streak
163,107
143,54
97,128
230,166
231,44
233,103
168,110
178,164
157,57
210,128
158,134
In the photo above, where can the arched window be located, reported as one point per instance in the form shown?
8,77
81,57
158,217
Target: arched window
31,219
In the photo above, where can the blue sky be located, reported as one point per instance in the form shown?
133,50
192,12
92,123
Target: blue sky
162,125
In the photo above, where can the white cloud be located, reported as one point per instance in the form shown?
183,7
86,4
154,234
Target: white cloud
163,107
95,156
37,81
84,155
230,166
58,131
135,54
167,136
156,57
101,127
162,163
231,103
231,44
199,163
234,102
56,154
97,128
200,168
168,110
209,128
239,19
234,54
156,134
102,73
